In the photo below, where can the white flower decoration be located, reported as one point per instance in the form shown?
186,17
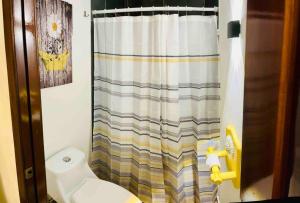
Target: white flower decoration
54,26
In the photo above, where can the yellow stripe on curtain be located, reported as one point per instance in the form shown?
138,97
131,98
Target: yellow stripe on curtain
99,56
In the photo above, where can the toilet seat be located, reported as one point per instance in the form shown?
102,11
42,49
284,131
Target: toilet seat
100,191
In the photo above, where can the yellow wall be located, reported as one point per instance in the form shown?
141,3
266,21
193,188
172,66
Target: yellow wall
9,192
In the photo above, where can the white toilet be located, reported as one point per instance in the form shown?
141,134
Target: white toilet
70,180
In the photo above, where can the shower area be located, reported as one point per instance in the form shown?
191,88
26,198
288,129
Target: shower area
156,100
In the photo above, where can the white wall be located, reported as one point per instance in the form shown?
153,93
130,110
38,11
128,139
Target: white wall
232,52
66,109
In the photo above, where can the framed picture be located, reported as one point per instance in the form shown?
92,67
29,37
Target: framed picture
54,34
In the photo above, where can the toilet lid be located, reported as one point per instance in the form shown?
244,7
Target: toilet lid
100,191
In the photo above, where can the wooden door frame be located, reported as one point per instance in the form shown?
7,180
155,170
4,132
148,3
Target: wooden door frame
287,101
25,99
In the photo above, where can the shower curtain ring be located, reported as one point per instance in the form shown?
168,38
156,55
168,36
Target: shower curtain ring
153,10
105,9
203,13
186,13
127,8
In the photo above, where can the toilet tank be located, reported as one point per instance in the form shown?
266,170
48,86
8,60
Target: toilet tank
65,171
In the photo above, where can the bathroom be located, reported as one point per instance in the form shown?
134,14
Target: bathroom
91,40
71,103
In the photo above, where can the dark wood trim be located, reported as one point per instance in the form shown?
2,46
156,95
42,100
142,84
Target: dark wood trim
24,89
16,68
35,100
286,102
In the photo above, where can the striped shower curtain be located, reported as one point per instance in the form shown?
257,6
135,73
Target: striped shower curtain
156,99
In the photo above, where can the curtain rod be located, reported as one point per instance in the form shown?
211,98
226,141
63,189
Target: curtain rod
145,9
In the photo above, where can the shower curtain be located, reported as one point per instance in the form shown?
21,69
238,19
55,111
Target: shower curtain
156,99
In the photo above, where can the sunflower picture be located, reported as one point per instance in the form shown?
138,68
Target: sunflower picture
54,30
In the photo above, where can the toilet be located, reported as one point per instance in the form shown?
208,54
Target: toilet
70,180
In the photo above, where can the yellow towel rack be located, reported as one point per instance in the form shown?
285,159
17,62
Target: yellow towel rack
233,160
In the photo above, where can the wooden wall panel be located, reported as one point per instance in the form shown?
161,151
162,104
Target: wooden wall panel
262,72
270,94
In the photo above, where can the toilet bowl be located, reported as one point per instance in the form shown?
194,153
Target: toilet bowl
70,180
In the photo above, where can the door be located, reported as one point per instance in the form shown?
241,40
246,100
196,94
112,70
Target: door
269,83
